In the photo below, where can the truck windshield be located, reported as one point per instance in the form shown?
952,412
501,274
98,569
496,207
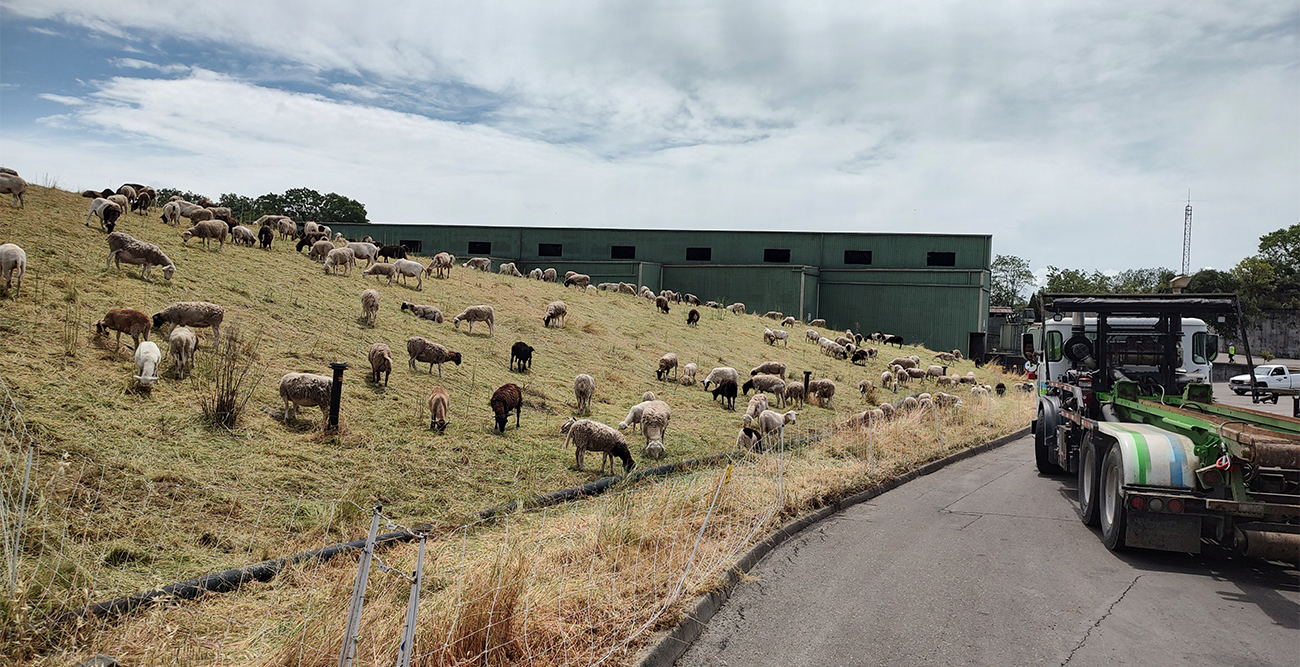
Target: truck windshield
1263,370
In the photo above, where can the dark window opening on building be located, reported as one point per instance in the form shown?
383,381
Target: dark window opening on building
549,249
857,256
622,252
699,254
941,259
480,248
411,245
777,255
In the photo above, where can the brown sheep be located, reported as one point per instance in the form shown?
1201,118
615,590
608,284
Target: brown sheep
507,397
381,361
125,321
439,404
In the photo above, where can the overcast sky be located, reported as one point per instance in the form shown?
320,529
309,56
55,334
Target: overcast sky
1071,132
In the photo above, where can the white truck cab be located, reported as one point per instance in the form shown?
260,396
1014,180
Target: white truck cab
1133,341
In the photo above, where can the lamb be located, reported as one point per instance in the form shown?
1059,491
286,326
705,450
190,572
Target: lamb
776,368
654,423
794,392
13,266
770,336
824,390
768,383
748,439
688,374
429,352
407,268
370,306
737,308
474,314
817,323
721,374
634,413
771,422
423,312
106,211
579,280
548,276
367,251
507,397
535,274
381,361
380,269
693,318
122,247
305,390
243,235
661,302
286,227
124,321
592,436
171,213
584,387
866,386
812,335
668,362
623,288
480,263
946,357
439,405
522,354
441,263
340,258
887,380
789,322
123,204
556,311
264,237
206,231
13,184
198,314
774,315
317,246
147,359
509,269
936,372
757,405
182,342
727,390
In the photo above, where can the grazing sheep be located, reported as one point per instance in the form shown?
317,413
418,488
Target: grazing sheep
196,214
13,184
957,354
592,436
648,396
936,372
844,340
208,230
887,380
548,276
474,314
1024,386
408,269
125,321
509,269
199,314
441,264
106,211
584,387
909,404
794,393
439,406
507,397
310,227
370,306
535,274
866,386
171,213
367,251
915,373
817,323
623,288
579,280
668,362
768,383
946,357
123,204
789,322
661,303
748,438
947,381
757,405
147,359
774,315
423,312
521,354
340,258
264,237
721,374
891,339
318,250
242,235
13,266
556,311
770,336
480,263
305,390
693,318
727,390
634,413
737,308
688,374
390,252
905,362
969,378
979,392
770,422
124,248
429,352
824,390
654,423
776,368
182,342
646,294
381,361
380,269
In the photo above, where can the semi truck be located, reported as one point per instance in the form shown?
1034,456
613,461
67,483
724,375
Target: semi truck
1124,402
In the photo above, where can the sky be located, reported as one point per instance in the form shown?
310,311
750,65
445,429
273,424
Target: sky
1071,132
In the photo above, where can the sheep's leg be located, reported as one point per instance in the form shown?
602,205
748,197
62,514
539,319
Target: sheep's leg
518,409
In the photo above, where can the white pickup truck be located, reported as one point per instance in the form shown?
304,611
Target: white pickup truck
1268,376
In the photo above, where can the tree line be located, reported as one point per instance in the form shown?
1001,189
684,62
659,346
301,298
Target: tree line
301,204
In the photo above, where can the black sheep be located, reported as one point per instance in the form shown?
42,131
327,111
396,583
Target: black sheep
727,390
859,355
307,240
507,397
661,302
391,252
522,353
265,236
896,340
693,318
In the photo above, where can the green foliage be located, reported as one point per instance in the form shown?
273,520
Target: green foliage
1010,276
301,204
1143,281
1074,281
1210,281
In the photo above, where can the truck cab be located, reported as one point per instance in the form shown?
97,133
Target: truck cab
1267,377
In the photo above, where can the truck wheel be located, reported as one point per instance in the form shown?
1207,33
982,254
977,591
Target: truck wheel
1239,392
1090,455
1045,465
1113,510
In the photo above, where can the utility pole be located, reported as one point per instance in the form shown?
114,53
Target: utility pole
1187,236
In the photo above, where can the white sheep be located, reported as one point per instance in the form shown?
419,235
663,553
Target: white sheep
812,335
480,263
429,352
556,312
654,423
13,184
106,211
770,336
757,405
770,423
381,269
182,342
535,274
667,363
407,268
474,314
147,359
737,308
441,264
747,438
817,323
431,313
370,306
688,374
171,213
548,276
305,390
509,269
13,266
364,250
341,259
634,414
769,383
243,235
592,436
721,374
319,250
207,230
776,368
584,387
789,322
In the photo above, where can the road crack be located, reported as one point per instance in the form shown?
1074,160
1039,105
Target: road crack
1096,625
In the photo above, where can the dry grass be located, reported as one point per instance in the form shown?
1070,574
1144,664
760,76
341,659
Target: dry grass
138,492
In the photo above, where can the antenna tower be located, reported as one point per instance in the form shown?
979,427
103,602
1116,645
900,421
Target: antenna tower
1187,235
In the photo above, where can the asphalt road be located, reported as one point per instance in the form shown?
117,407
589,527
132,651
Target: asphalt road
986,563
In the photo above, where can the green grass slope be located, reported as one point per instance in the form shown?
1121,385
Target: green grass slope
181,492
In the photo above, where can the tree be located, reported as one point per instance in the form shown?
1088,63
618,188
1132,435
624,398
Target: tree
1143,281
1010,277
1074,281
1282,247
1210,281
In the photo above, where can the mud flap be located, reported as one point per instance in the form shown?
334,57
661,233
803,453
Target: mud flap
1166,532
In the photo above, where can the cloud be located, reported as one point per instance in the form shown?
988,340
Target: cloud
62,99
135,63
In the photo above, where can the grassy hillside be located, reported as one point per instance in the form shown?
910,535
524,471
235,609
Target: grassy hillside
176,483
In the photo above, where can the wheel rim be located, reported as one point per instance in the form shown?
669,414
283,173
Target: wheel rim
1110,496
1089,477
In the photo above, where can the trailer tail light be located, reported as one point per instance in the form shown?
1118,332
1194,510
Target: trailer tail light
1137,502
1156,505
1175,505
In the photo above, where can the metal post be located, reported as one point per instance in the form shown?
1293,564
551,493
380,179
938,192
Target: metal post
336,393
412,609
351,635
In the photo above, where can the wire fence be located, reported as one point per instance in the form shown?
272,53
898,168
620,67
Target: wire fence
585,583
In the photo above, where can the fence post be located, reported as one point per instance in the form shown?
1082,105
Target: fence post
336,393
412,610
351,635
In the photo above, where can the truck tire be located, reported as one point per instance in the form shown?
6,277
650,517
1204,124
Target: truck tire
1045,465
1239,392
1112,505
1090,456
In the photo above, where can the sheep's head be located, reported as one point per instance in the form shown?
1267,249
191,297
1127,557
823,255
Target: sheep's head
158,321
790,416
169,271
564,428
654,450
100,328
406,305
455,357
439,425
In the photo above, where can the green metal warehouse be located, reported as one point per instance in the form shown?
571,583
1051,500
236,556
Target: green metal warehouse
928,288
